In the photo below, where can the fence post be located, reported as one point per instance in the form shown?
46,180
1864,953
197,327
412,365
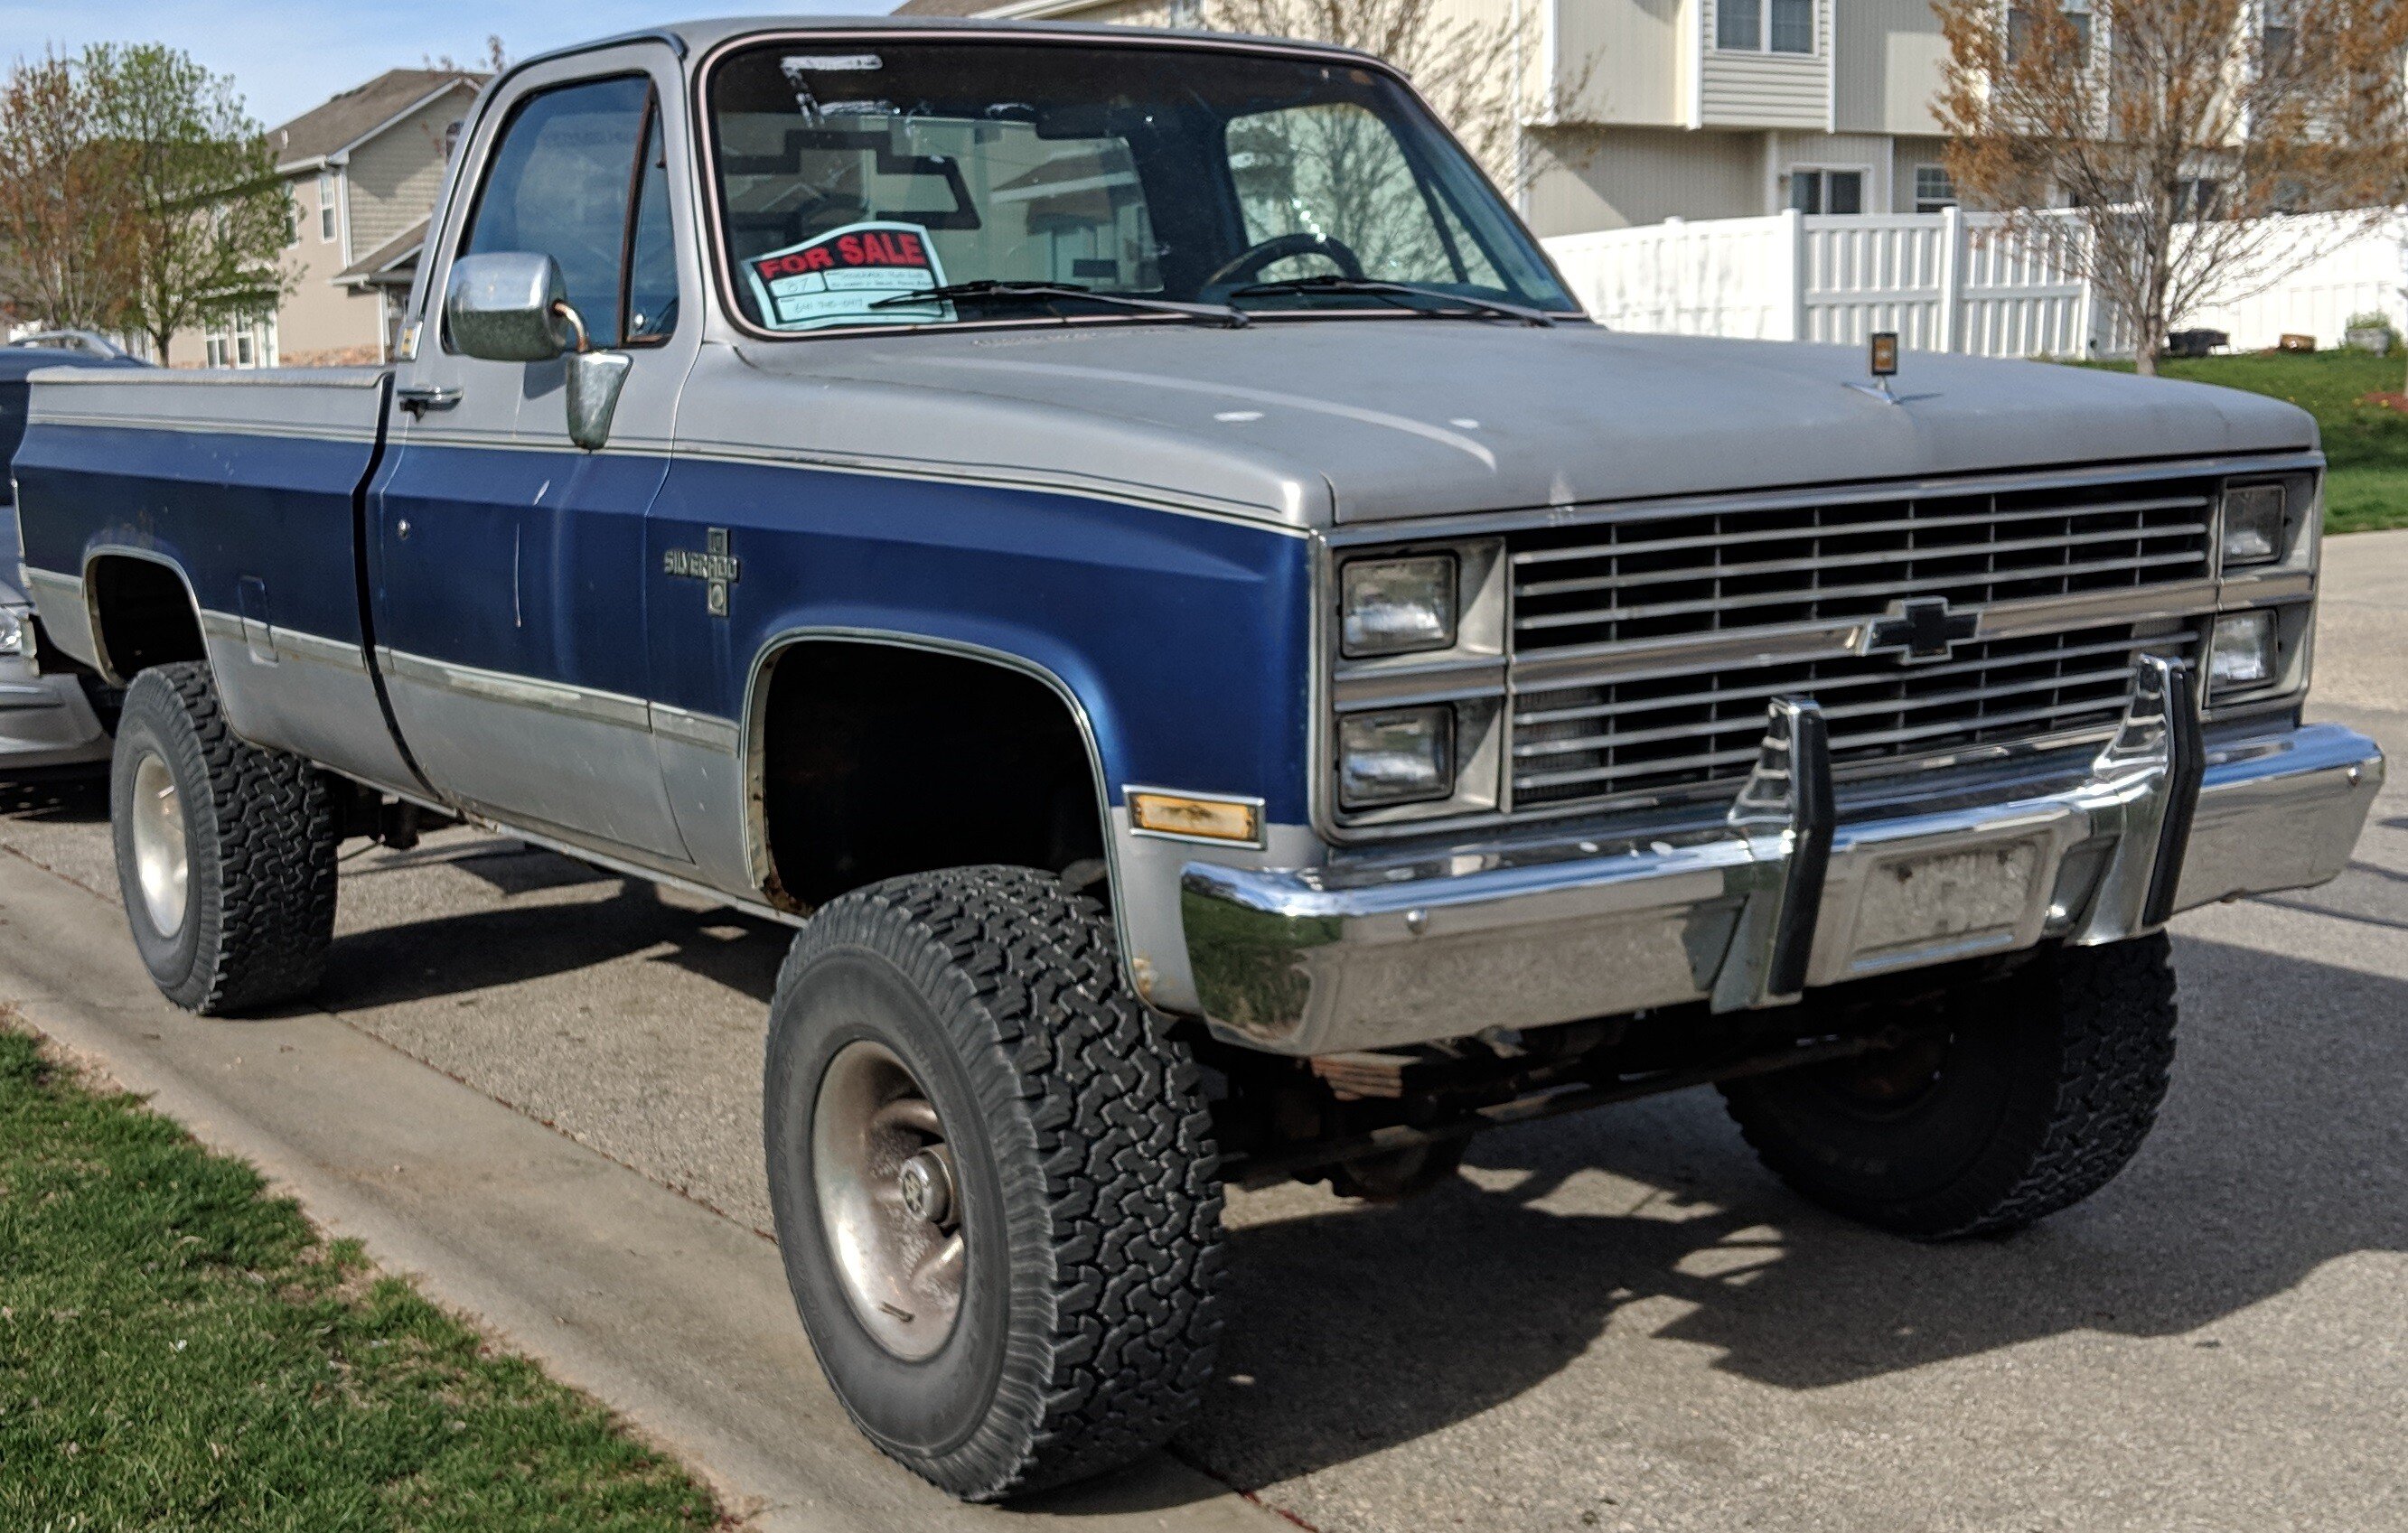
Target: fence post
1952,279
2085,323
1790,296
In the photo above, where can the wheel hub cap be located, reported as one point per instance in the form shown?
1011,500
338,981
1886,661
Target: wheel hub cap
162,862
884,1179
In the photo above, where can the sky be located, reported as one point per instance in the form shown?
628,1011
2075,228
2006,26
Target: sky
286,57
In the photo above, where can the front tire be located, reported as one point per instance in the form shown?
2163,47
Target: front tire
225,852
994,1180
2031,1095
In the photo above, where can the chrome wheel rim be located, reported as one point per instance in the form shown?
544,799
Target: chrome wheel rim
889,1201
162,863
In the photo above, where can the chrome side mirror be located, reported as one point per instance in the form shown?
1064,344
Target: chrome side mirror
595,380
506,306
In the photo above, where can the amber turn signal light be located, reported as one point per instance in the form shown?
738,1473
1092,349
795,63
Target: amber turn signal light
1208,819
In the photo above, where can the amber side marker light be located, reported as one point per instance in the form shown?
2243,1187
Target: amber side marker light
1206,819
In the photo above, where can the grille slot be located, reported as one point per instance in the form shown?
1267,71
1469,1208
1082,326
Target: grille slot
1722,571
1693,731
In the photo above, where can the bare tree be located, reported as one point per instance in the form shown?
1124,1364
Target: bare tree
2190,135
1484,78
63,257
208,218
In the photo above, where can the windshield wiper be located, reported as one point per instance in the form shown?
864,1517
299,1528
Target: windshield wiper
991,289
1467,307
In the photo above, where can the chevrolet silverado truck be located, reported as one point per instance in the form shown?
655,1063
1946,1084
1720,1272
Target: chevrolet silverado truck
1124,542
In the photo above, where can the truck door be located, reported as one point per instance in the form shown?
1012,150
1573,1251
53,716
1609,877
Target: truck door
510,565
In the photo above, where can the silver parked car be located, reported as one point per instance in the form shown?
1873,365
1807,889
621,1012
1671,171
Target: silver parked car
60,720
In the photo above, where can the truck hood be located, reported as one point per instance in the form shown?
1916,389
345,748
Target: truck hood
1352,421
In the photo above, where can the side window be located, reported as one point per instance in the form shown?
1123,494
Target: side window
561,183
651,300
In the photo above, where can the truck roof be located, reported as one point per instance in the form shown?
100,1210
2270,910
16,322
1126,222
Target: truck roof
701,34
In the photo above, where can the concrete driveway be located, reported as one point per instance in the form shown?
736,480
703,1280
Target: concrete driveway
1620,1321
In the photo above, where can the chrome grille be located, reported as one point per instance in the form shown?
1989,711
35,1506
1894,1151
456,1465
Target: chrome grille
1718,571
1694,732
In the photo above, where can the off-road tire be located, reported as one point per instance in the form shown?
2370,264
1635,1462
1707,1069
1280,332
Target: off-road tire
2047,1081
260,832
1088,1178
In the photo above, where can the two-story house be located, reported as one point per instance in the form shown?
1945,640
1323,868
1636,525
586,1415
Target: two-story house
1649,109
364,169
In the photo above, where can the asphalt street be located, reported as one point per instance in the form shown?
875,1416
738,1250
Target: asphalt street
1620,1321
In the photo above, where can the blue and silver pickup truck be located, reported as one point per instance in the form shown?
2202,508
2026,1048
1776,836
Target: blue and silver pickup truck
1124,542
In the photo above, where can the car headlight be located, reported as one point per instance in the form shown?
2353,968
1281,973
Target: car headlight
2254,518
1398,605
12,630
1400,756
2243,654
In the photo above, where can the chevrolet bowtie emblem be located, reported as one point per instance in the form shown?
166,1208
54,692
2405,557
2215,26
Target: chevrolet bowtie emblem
713,566
1919,629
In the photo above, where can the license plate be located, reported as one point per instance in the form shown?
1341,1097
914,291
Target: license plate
1948,897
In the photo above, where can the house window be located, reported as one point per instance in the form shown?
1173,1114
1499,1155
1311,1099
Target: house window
1757,27
213,351
325,206
451,137
2281,25
2021,19
1815,191
1933,188
2197,197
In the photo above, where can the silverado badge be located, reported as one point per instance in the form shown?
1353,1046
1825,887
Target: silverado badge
713,566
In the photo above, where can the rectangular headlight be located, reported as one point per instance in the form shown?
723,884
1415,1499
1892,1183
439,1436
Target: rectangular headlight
1398,605
2254,518
1402,756
2243,651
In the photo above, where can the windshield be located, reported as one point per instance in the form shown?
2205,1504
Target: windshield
855,175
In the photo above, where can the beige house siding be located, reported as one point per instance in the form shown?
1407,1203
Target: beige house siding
1638,57
1613,177
393,178
1907,154
1751,90
1889,68
320,324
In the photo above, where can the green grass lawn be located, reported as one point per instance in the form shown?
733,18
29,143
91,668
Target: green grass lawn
2368,487
180,1351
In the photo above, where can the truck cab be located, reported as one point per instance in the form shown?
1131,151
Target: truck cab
1126,542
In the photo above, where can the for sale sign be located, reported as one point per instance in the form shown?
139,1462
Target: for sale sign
841,277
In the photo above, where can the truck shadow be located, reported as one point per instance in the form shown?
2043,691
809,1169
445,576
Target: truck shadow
73,795
1357,1329
510,943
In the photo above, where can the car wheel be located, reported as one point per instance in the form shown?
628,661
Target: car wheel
225,853
2026,1097
994,1180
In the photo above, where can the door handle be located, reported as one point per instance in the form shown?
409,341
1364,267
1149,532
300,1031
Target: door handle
418,398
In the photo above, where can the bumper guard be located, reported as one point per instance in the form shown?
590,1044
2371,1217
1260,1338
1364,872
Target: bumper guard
1783,897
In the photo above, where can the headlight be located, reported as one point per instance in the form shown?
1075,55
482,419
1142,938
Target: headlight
12,630
1401,756
2254,516
2243,652
1398,605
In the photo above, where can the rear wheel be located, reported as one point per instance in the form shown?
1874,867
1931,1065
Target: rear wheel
225,853
994,1180
2030,1095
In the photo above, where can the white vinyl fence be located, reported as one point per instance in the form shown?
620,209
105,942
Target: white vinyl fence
1950,281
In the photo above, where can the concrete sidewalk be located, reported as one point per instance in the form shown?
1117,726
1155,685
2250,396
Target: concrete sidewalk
672,1314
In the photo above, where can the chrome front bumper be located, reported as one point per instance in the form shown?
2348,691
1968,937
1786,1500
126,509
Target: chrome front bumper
1787,896
46,721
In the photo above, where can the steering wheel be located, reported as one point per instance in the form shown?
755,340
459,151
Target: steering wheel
1250,264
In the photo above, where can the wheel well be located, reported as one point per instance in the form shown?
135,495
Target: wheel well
142,615
877,760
